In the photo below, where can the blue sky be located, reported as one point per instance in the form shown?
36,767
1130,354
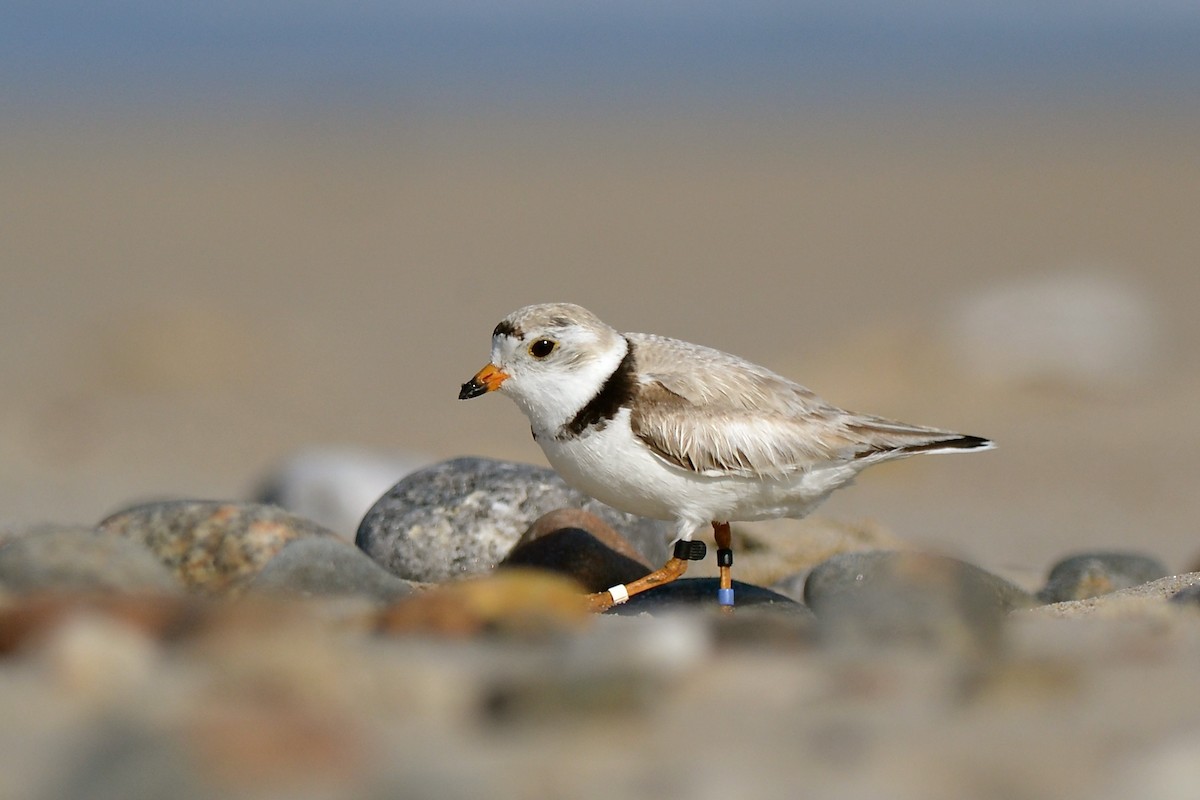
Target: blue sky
381,53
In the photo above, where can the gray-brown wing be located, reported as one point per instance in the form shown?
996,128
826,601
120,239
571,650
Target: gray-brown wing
712,413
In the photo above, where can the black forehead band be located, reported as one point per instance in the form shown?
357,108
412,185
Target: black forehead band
506,328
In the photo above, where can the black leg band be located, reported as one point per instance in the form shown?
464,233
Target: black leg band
690,551
724,557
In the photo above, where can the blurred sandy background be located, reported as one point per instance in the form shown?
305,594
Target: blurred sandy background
229,234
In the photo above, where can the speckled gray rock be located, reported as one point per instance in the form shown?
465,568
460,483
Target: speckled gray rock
1092,574
210,545
79,559
326,566
462,516
899,597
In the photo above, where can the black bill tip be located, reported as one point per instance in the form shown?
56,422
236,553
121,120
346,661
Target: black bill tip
471,388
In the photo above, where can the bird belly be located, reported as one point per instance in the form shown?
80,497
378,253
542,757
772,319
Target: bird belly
617,468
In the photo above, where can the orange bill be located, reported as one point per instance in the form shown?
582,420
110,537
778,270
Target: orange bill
486,380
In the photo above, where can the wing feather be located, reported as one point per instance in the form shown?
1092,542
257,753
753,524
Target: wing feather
708,412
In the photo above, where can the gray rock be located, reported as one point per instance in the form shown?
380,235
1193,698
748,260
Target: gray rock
326,566
81,559
210,545
1188,596
1095,573
908,598
461,517
334,486
1146,600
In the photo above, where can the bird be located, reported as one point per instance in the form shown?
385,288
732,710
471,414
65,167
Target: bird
671,430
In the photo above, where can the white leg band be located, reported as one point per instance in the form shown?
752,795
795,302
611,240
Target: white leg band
619,594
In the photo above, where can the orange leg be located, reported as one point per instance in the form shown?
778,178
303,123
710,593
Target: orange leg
673,569
724,562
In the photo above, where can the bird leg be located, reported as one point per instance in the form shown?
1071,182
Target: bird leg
724,539
685,551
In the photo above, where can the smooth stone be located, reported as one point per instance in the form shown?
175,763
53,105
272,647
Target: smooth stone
580,545
768,551
334,486
517,602
77,559
910,598
1144,601
700,593
324,566
1092,574
1083,329
461,517
30,618
1188,596
210,545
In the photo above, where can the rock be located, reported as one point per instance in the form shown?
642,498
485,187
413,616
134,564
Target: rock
1080,330
32,617
1146,600
701,592
889,597
461,517
792,585
580,545
209,545
334,487
79,559
1095,573
1188,596
324,566
770,550
522,602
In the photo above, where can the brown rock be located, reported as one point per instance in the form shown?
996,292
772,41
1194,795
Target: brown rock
32,617
523,602
580,545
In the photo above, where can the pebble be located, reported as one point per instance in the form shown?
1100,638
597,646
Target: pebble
1144,601
210,545
334,486
31,618
79,559
1081,329
527,603
580,545
771,550
1092,574
1188,596
701,592
897,597
461,517
321,565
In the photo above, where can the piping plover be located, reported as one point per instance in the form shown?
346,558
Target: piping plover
672,430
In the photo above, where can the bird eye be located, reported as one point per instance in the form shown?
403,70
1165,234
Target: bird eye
542,348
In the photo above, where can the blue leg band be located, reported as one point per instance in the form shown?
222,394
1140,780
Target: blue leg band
725,597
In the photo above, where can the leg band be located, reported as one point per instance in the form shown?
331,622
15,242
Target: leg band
724,557
619,594
725,597
690,551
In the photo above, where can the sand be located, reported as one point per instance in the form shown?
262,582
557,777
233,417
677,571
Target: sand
188,300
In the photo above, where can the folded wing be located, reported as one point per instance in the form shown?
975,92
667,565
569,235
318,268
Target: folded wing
705,411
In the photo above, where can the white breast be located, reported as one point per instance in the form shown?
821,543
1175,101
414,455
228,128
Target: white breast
615,467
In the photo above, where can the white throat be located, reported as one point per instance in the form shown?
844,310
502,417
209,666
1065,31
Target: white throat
552,398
